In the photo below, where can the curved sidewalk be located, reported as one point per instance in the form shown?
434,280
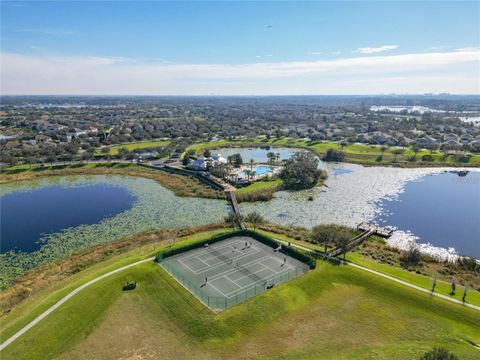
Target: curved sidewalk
386,276
63,300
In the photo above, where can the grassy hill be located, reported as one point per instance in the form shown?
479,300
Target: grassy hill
333,311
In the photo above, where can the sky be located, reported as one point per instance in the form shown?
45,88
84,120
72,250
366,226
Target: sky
239,48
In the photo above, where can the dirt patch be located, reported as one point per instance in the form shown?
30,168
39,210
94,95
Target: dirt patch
129,332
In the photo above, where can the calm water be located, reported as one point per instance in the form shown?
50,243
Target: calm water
76,211
259,170
28,215
443,209
258,155
435,209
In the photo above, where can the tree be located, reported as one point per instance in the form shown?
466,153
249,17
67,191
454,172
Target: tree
301,171
416,149
233,220
334,155
123,151
411,257
251,164
342,239
255,219
185,160
271,157
453,286
439,354
383,149
235,160
220,170
397,152
207,153
323,235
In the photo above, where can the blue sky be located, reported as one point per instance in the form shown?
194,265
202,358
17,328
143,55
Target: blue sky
239,48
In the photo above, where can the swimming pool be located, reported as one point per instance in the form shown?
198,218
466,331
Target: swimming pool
259,170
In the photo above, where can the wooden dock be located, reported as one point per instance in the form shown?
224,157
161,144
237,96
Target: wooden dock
236,208
367,230
376,230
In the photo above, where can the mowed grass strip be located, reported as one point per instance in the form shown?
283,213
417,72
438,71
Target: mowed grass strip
30,308
331,312
113,150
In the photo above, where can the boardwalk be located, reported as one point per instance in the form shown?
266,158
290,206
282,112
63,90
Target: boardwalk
236,208
376,230
368,230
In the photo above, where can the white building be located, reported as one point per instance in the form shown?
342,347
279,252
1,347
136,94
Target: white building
202,162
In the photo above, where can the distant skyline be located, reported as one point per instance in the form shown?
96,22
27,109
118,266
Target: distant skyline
239,48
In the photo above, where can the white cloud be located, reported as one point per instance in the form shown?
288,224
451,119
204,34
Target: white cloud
263,56
36,74
314,53
374,50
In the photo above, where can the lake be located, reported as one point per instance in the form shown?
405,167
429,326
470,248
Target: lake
438,210
52,218
26,215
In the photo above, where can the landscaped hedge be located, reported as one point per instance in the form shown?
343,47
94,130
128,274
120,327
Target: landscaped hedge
293,252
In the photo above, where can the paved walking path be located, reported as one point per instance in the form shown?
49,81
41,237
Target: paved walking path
385,276
93,281
64,299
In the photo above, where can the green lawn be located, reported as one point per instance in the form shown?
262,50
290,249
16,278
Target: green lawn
331,312
355,153
113,150
334,311
261,185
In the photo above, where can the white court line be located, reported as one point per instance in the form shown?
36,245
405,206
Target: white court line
188,267
286,266
222,263
233,270
205,251
224,254
181,262
220,291
254,283
245,276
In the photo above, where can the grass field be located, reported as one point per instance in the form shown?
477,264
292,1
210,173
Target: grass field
113,150
355,153
331,312
259,190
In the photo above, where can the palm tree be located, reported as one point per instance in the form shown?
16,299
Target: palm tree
277,155
251,164
255,219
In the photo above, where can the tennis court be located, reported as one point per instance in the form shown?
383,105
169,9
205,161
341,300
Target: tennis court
232,270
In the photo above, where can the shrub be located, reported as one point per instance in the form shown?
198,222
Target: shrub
439,354
334,155
427,157
468,263
411,257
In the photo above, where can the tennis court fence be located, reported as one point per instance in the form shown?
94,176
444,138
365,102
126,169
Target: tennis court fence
224,302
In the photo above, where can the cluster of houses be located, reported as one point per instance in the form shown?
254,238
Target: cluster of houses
202,162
